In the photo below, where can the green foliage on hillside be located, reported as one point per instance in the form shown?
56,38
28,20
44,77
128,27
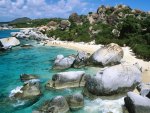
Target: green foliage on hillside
134,28
76,33
34,23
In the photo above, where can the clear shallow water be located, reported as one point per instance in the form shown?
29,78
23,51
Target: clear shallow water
6,33
39,60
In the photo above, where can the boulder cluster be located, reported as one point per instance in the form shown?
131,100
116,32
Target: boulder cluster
116,79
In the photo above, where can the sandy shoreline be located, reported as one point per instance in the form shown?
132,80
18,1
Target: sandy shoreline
89,48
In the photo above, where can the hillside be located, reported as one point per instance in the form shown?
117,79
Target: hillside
20,20
119,24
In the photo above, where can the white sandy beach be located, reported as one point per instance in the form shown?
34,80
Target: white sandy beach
89,48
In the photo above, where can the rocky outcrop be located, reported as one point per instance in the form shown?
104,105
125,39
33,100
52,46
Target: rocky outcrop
27,77
75,101
93,18
136,103
62,62
113,80
7,43
43,29
74,17
144,89
109,54
64,24
52,23
28,91
33,34
67,79
80,59
57,104
25,95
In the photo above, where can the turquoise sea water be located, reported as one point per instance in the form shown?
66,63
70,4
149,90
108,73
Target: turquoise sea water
6,33
39,60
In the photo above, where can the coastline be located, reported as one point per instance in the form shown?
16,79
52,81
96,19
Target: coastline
91,48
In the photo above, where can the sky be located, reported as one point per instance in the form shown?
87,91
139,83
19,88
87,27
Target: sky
12,9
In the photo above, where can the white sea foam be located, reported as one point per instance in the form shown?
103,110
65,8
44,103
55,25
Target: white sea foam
104,106
18,103
16,90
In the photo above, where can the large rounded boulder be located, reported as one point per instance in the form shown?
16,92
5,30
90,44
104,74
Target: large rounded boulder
67,79
9,42
136,103
75,101
57,104
113,80
62,62
106,55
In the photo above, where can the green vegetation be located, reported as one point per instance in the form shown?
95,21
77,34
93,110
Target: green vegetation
76,33
33,23
134,28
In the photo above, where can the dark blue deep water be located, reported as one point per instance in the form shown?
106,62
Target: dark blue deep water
39,60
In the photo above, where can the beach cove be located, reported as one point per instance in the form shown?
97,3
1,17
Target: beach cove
39,60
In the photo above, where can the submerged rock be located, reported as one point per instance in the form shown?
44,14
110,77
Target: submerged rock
136,103
109,54
57,104
67,79
144,89
7,43
113,80
26,46
75,101
62,62
27,77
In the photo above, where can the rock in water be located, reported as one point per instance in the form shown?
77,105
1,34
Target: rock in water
9,42
62,62
67,79
144,89
56,105
109,54
25,95
136,103
27,77
75,101
113,80
28,91
81,59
